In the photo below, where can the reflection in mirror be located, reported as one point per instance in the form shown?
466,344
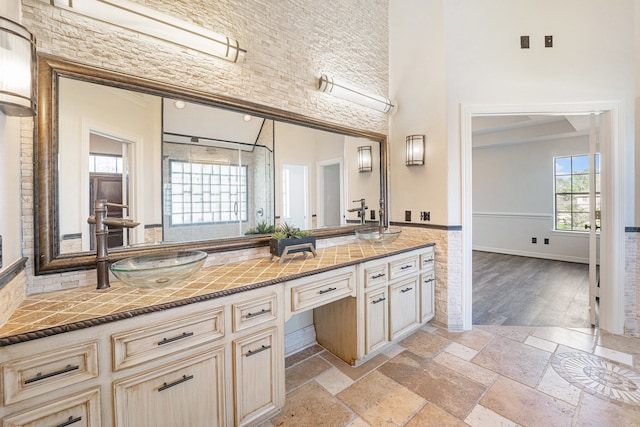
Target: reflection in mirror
192,172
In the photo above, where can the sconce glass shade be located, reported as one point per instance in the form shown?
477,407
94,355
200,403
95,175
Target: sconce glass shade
364,159
17,70
350,92
144,20
415,150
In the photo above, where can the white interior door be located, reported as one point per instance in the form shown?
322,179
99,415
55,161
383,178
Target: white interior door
594,218
294,195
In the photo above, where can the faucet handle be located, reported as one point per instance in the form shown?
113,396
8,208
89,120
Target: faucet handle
359,201
116,205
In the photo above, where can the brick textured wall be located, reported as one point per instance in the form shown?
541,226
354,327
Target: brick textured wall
631,281
289,44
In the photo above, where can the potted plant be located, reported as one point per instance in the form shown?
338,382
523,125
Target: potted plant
261,228
286,235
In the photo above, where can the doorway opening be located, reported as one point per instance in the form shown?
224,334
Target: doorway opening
532,194
611,293
295,195
330,193
109,179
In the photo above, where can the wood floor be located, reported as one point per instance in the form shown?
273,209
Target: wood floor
520,291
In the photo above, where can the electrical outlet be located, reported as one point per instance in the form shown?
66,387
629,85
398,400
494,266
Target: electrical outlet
425,216
407,216
548,41
524,42
546,241
373,214
534,240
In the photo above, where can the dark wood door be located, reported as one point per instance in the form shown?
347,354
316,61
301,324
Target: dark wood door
109,187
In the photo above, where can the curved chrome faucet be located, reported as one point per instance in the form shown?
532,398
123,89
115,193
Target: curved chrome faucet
102,222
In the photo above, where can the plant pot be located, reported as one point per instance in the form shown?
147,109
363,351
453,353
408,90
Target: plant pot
276,247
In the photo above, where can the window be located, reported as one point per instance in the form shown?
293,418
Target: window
572,192
207,193
105,163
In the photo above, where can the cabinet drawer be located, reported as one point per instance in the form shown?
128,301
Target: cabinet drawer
402,267
322,291
80,410
188,393
427,260
375,275
141,345
254,312
49,372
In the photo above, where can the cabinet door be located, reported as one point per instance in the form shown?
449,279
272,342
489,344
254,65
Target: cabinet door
404,306
377,319
187,393
258,375
79,410
427,288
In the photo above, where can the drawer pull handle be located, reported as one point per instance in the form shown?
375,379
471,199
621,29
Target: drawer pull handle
39,376
377,276
184,378
406,290
176,338
378,300
324,291
404,267
428,281
427,260
260,313
70,421
254,352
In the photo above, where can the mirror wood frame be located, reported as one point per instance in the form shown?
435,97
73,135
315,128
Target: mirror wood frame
46,209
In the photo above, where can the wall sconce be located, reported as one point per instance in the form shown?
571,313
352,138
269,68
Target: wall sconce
364,159
350,92
17,70
415,150
136,17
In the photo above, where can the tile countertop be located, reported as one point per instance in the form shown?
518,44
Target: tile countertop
52,313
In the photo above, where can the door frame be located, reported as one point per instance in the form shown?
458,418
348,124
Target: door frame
612,181
320,188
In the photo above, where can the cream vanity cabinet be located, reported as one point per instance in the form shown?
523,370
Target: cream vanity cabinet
394,296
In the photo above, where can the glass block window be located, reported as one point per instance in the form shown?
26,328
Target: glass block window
572,206
207,193
104,163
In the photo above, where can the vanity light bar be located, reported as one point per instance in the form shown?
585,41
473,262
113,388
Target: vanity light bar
350,92
144,20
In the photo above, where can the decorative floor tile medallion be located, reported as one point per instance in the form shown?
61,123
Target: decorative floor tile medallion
599,377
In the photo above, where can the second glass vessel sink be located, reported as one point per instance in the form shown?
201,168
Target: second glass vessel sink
373,235
158,270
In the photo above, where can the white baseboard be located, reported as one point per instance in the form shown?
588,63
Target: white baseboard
299,340
555,257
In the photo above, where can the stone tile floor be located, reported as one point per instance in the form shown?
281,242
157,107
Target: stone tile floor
489,376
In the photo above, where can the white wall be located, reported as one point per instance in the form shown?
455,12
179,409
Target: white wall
10,221
418,84
513,200
10,171
362,185
453,52
130,116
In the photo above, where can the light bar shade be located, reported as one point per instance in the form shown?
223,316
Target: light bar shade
350,92
415,150
17,70
141,19
364,159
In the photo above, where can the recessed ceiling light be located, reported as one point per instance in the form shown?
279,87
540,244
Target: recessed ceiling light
247,118
179,104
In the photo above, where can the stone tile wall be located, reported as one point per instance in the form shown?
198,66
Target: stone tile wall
631,281
11,295
289,44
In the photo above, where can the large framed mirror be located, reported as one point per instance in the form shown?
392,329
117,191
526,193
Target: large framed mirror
196,170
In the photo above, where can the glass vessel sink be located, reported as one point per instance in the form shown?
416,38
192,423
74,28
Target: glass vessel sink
373,235
158,270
